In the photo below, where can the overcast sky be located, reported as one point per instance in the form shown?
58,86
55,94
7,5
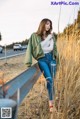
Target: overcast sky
20,18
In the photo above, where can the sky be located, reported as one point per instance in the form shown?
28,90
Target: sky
20,18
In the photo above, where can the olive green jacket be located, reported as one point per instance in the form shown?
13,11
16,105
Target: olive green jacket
34,49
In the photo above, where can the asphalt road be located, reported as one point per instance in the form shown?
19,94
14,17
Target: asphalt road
11,52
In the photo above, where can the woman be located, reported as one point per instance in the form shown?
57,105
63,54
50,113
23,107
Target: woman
42,46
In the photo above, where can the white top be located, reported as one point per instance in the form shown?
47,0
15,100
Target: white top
47,44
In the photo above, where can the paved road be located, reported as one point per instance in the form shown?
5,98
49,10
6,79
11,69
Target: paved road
11,52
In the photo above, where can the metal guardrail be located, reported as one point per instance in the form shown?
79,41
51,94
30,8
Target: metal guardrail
6,57
21,85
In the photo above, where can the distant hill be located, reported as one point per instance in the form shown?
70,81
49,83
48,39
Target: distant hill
25,42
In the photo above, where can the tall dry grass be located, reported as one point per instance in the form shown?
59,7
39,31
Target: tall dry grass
67,83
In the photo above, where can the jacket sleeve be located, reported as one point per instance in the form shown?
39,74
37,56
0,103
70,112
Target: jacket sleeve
28,57
56,54
55,48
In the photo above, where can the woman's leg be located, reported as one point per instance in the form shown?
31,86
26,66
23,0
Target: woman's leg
47,74
52,66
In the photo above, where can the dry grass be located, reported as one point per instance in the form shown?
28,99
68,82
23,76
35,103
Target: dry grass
67,82
1,78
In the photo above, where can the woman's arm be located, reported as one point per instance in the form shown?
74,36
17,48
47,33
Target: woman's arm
28,57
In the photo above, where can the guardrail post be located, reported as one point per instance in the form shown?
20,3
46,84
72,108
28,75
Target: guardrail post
5,55
18,100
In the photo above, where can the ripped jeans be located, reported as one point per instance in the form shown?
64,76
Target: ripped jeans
47,65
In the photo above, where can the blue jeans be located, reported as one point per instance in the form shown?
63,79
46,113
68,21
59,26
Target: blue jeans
46,66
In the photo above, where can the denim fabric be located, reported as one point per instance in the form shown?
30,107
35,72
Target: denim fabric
46,66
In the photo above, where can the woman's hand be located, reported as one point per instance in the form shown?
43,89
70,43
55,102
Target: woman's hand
50,36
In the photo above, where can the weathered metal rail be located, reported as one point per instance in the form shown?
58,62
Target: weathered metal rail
7,57
20,85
